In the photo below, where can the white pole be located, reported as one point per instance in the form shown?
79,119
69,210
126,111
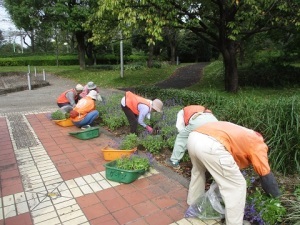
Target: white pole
28,79
28,68
121,56
35,71
44,75
21,43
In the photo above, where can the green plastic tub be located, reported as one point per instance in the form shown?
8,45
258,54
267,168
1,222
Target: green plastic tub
86,134
122,176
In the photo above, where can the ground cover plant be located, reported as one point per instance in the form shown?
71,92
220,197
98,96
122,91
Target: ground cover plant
260,208
59,115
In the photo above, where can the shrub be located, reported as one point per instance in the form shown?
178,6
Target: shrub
59,115
129,142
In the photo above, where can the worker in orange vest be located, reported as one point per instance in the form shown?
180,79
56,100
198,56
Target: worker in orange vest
188,119
137,108
85,111
223,148
68,99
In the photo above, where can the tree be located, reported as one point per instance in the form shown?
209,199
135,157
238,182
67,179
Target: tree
52,17
1,38
224,24
26,15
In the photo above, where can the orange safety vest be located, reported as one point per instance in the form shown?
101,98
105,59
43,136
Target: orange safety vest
83,107
132,101
246,146
190,110
63,99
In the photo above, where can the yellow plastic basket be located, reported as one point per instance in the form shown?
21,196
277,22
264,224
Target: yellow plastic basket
110,154
64,123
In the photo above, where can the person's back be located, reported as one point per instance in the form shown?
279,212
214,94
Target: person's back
68,99
223,149
85,110
188,119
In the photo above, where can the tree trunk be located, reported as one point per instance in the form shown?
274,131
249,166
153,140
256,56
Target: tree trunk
150,56
81,48
173,50
230,64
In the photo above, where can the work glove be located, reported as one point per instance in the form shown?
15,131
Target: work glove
269,185
99,98
149,129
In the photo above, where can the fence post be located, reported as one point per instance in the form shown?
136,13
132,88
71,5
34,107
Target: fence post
35,71
44,75
28,79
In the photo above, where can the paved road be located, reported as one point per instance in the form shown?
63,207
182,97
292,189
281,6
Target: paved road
39,99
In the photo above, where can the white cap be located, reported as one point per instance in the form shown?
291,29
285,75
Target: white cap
79,87
157,105
93,94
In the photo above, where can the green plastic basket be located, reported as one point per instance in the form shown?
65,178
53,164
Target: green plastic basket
86,134
119,175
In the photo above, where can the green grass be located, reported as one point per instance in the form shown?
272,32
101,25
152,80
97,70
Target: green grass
105,78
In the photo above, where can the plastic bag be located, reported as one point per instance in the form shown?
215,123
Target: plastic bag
208,206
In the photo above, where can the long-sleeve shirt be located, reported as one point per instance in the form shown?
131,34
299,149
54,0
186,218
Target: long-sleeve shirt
246,146
144,111
71,97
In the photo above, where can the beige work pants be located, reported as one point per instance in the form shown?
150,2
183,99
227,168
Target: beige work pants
207,153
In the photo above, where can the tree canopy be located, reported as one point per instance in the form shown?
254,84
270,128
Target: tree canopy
221,23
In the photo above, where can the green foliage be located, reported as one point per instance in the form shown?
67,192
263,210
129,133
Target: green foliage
38,60
270,209
293,211
297,192
129,142
59,115
133,162
110,112
152,143
272,73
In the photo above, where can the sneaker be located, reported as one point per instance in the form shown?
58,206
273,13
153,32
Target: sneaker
172,164
85,127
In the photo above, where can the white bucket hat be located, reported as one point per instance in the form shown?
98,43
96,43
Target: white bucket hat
91,85
157,105
79,87
93,94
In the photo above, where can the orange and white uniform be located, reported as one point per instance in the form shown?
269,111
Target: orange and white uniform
223,148
132,101
83,107
68,97
188,119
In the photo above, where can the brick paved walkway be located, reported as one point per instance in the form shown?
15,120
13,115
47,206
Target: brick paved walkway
49,177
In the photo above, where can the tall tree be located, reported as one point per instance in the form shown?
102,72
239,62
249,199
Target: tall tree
221,23
26,15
